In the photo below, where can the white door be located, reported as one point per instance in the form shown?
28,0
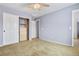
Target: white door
33,26
10,28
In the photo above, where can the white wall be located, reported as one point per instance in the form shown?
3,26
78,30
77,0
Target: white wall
1,27
56,26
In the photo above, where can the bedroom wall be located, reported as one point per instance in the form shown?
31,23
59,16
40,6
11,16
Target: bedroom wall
56,26
12,11
1,27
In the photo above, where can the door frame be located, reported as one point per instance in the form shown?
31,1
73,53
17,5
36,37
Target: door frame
74,27
27,20
38,20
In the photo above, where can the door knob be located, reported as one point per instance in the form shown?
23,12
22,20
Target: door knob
4,30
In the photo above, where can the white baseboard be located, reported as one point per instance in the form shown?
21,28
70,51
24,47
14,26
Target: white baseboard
8,44
1,45
56,42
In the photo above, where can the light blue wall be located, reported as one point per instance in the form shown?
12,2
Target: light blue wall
12,11
1,27
55,26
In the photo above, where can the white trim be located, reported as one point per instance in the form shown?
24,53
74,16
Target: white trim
72,29
8,44
1,45
56,42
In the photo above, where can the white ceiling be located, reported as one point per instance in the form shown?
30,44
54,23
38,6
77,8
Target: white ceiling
23,7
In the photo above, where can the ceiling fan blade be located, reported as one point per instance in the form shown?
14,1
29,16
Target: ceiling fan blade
45,5
30,6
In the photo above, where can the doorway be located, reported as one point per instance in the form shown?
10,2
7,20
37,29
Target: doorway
23,29
75,28
37,28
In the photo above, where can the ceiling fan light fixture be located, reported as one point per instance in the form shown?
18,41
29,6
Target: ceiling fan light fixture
37,6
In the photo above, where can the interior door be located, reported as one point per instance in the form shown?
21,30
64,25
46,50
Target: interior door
10,28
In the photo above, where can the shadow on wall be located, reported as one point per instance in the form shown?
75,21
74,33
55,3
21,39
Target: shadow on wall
78,30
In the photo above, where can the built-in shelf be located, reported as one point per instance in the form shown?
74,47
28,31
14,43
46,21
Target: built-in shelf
22,24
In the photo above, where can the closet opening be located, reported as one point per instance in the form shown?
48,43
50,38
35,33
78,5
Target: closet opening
23,29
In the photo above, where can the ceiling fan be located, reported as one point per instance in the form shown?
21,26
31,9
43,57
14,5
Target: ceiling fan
37,6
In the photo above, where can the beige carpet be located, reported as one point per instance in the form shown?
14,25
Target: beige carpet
38,47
